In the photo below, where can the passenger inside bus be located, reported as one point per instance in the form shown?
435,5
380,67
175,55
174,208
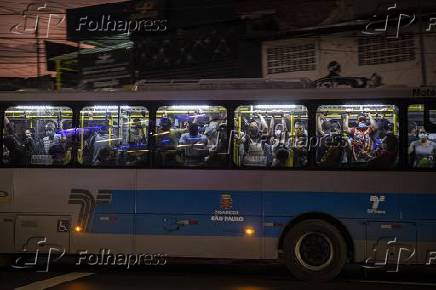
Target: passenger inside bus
191,136
113,136
271,136
35,135
357,136
422,152
422,146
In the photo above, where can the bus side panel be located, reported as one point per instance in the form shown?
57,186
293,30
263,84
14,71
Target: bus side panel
199,223
108,222
7,219
421,208
350,209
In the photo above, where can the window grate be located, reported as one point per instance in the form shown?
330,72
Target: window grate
382,50
291,59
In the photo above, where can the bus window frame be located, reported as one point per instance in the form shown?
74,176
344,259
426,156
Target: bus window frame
81,105
338,102
231,105
272,103
429,104
6,105
212,103
429,126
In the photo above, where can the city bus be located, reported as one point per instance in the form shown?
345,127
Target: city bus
232,170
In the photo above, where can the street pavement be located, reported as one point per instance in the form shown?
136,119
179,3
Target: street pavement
241,276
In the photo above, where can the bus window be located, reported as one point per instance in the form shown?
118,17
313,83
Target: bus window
37,135
422,145
191,136
358,136
113,136
270,136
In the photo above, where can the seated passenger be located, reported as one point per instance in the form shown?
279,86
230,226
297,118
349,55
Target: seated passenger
333,151
386,156
195,150
281,158
105,157
57,152
193,136
137,138
422,151
167,137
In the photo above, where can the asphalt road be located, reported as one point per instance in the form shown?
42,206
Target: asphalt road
208,277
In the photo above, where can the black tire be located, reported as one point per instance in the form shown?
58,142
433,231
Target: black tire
314,250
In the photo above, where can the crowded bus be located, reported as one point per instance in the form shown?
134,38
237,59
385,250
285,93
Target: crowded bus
314,179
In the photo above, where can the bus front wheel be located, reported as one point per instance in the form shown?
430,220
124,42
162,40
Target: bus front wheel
314,250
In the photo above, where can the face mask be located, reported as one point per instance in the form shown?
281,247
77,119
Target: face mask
253,132
362,125
422,136
278,133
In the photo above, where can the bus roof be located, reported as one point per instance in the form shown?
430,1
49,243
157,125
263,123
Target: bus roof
213,90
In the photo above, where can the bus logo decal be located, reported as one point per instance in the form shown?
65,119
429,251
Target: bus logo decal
375,204
226,201
87,203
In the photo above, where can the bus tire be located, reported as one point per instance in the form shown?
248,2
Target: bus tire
314,250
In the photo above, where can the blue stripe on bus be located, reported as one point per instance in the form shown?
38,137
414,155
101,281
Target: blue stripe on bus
191,212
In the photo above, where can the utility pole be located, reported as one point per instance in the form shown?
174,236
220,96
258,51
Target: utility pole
422,45
38,56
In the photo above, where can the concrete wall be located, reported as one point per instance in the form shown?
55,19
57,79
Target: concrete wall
344,50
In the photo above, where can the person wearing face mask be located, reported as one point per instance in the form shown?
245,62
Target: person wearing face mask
361,141
193,144
31,145
422,151
252,149
51,138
